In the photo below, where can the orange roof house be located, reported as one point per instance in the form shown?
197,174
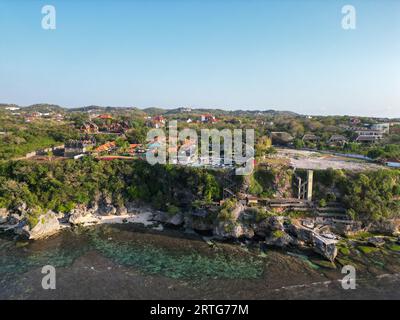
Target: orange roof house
104,116
105,147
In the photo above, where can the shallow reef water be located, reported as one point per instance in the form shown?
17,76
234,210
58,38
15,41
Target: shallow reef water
175,264
62,250
134,262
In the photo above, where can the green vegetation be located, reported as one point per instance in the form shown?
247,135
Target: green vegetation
172,210
278,233
62,185
394,247
324,263
137,134
19,143
361,236
256,214
225,213
20,138
322,203
266,180
369,195
367,250
33,217
344,250
389,151
264,147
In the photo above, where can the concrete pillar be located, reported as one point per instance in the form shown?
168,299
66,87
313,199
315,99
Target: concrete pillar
299,188
310,175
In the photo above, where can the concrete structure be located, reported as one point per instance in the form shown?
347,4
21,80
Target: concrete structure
305,189
368,138
368,135
310,176
76,147
384,127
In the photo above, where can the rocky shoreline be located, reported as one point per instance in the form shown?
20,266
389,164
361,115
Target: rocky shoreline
50,222
321,235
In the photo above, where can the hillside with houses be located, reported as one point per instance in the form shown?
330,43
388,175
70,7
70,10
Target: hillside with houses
374,138
316,179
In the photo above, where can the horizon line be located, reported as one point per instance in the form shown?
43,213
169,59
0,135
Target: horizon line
272,108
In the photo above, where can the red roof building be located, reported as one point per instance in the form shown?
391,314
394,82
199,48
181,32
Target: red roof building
156,122
208,118
104,116
105,147
159,118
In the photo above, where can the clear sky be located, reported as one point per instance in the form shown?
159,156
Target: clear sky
232,54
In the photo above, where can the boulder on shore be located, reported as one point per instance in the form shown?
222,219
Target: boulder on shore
301,233
276,223
107,210
3,215
198,223
15,218
261,228
21,209
389,227
347,228
165,217
376,241
232,229
121,210
264,227
82,216
279,238
47,225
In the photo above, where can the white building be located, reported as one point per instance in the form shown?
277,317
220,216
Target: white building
384,127
12,108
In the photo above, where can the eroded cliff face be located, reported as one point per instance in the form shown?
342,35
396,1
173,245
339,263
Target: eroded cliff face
234,221
4,213
47,225
241,221
184,198
275,181
34,223
110,185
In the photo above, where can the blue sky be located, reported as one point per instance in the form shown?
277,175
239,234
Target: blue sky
286,55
